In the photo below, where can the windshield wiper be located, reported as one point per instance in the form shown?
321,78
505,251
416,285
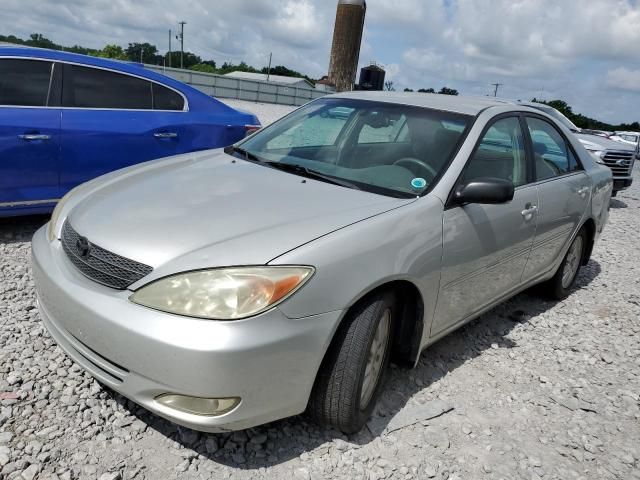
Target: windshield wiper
310,173
291,168
245,153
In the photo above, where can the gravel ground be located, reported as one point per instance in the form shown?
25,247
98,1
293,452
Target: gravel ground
532,390
266,112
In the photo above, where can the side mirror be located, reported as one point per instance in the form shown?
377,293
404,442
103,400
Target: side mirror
488,190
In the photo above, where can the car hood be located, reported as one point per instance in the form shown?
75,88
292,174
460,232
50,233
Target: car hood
210,209
593,142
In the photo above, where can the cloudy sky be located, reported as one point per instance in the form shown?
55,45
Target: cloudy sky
587,52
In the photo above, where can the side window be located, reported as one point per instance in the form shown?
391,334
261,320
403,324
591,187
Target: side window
553,157
392,131
500,154
86,87
166,99
24,83
319,130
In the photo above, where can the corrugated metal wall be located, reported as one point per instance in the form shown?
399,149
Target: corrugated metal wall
250,90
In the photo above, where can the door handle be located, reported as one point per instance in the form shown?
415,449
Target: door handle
583,191
31,137
165,135
529,212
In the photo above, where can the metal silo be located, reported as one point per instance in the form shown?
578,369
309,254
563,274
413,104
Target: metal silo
347,37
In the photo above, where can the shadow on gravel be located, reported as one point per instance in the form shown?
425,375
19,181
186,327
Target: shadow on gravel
284,440
20,229
616,203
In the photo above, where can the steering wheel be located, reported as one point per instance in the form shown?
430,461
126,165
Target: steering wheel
417,167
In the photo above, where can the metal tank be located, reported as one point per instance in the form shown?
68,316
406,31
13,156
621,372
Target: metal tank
372,78
347,37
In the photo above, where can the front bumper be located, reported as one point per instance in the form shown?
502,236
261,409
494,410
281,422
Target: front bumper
621,183
269,361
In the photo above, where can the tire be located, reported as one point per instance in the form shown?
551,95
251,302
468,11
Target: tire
340,398
614,194
560,286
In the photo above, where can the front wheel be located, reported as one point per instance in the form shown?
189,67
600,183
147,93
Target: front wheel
351,376
560,285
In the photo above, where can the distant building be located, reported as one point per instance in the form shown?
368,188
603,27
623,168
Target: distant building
262,77
325,85
372,78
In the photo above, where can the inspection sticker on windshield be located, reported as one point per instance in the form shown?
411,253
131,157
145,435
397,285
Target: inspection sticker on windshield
418,183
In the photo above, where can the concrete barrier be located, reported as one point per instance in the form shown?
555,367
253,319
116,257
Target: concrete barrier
241,89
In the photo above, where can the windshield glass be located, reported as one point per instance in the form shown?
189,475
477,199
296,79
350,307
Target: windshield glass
383,148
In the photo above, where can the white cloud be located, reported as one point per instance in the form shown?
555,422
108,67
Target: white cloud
560,48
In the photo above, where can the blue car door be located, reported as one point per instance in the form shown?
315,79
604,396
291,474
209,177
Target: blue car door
29,136
109,122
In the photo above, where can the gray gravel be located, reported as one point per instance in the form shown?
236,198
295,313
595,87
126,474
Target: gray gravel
532,390
266,112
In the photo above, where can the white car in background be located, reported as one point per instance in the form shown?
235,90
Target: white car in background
620,157
629,138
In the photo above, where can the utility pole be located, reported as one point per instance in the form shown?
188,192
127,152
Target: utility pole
141,53
497,85
269,69
169,48
181,37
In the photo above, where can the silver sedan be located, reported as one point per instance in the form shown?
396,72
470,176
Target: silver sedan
226,289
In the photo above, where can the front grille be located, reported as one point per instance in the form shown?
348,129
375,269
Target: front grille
620,162
99,264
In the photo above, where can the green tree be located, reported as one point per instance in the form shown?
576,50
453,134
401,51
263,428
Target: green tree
112,51
448,91
189,59
40,41
427,90
145,51
202,67
389,87
408,89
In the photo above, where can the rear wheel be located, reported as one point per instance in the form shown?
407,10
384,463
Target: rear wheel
352,374
560,285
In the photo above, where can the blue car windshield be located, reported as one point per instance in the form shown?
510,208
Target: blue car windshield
385,148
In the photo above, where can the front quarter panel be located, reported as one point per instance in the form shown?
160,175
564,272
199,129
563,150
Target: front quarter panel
403,244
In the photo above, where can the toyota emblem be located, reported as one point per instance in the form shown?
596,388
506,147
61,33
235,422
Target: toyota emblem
83,247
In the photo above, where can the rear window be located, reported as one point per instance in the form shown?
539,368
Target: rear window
86,87
166,99
24,82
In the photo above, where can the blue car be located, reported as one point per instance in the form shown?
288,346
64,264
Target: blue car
67,118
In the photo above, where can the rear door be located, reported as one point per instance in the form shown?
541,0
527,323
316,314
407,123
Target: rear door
564,189
29,135
109,122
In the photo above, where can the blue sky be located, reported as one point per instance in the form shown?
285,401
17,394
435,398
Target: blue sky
587,53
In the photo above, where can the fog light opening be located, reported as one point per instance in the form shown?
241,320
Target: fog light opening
208,407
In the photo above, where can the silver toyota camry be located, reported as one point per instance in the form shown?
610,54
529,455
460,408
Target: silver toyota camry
226,289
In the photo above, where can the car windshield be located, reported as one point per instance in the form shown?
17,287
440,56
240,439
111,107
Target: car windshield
385,148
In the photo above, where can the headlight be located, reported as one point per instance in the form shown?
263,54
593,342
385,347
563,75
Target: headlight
223,294
55,216
598,156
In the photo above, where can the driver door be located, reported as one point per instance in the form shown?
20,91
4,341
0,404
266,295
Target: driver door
486,247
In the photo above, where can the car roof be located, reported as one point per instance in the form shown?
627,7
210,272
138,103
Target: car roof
196,98
467,105
24,51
